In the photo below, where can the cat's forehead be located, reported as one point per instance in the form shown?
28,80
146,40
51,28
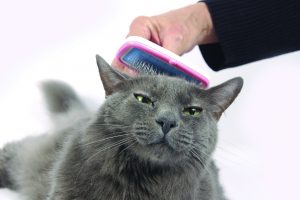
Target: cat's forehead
167,88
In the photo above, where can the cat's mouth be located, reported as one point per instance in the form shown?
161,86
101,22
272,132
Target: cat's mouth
163,145
165,153
161,140
160,150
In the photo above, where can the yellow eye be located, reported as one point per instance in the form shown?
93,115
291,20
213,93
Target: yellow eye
143,99
192,111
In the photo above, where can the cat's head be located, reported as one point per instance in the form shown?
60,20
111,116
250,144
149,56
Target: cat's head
163,119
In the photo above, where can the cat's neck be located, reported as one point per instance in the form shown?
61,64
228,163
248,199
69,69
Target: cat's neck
152,178
131,168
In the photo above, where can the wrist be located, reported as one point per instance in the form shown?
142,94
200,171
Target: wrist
206,31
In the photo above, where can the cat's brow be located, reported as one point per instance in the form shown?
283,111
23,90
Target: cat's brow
184,98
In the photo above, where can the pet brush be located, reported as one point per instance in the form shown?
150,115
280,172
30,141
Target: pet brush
144,56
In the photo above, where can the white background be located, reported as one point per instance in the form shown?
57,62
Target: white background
258,150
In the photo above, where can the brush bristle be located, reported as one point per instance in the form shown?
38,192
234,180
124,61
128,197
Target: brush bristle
145,68
147,64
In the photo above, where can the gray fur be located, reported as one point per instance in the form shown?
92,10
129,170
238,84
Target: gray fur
65,107
129,150
60,97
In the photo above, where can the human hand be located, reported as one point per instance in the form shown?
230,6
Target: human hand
178,30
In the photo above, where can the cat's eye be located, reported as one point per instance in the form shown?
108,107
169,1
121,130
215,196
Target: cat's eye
192,111
143,99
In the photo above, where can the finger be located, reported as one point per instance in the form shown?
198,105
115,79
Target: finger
145,27
175,44
116,64
140,27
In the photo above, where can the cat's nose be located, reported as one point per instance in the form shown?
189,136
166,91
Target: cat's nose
166,123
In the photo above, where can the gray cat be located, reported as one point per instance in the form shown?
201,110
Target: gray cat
152,139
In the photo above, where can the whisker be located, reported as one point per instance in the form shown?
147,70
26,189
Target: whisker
113,125
227,157
134,142
202,151
197,157
200,160
114,145
228,150
108,138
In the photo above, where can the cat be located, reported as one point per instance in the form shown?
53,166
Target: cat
151,139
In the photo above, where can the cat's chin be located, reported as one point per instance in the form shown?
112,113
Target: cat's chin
159,152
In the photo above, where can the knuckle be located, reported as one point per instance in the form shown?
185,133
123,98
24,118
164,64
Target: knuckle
141,20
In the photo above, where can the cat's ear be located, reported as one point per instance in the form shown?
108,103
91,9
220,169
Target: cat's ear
110,77
223,95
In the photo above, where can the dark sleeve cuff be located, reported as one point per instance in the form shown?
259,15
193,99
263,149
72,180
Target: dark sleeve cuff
250,30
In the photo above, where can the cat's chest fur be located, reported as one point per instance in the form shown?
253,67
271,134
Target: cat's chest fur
118,179
163,184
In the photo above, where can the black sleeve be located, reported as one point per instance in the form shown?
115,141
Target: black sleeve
250,30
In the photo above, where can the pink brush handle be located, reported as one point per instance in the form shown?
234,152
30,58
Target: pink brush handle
172,61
